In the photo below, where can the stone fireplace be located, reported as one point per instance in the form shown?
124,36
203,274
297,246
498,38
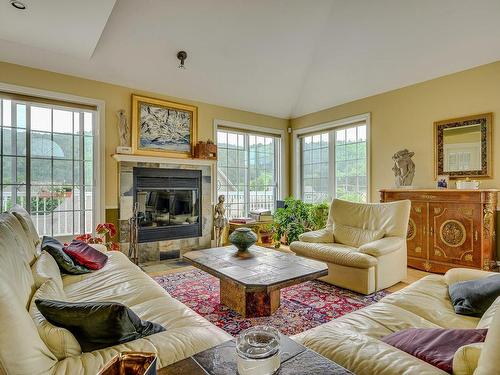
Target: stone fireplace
175,199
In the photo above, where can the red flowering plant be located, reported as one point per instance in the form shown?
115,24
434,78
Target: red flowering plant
104,232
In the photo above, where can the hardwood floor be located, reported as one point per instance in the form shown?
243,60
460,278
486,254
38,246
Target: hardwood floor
413,275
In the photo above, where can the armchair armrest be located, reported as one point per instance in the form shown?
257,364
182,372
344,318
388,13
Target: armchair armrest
324,235
464,274
383,246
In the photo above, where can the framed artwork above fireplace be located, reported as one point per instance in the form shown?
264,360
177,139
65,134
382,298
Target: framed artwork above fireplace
163,128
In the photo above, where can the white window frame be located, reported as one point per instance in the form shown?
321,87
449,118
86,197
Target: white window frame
280,191
324,127
98,137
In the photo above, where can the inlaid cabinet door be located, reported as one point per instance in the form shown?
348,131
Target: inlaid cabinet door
455,233
416,236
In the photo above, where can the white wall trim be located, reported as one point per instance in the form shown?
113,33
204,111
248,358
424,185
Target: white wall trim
261,129
99,138
295,151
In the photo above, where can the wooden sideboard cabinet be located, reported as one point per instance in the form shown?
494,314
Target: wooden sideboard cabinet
449,228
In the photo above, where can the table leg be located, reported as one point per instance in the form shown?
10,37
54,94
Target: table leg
249,304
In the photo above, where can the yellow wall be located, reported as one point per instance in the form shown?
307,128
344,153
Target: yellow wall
119,97
404,118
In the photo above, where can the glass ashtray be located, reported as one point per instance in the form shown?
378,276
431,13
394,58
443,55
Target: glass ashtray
258,351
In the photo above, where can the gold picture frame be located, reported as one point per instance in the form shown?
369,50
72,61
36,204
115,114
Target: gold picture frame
485,123
163,128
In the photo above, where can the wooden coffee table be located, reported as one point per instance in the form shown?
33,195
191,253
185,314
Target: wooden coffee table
250,282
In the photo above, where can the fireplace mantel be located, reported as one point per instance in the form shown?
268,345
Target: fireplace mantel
159,159
154,251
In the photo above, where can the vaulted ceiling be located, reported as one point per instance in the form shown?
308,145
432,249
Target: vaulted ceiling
279,57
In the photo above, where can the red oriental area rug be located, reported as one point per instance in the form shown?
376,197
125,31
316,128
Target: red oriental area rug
303,306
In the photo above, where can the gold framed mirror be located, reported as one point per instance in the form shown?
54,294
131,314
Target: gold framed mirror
463,147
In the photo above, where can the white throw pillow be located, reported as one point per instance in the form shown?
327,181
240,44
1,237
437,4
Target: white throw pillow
60,341
46,268
355,237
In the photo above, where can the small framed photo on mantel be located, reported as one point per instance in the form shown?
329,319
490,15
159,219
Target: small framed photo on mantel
163,128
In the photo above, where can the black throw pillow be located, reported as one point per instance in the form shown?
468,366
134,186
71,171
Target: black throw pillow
97,325
64,261
474,297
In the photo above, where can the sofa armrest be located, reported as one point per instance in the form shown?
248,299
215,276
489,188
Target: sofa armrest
383,246
464,274
324,235
102,248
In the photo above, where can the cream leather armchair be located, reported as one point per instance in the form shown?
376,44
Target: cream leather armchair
364,245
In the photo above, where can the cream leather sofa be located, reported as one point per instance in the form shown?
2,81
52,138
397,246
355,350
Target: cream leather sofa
353,262
25,336
353,340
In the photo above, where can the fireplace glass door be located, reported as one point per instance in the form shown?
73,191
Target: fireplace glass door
167,207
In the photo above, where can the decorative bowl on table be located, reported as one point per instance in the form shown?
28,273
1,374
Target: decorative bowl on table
243,238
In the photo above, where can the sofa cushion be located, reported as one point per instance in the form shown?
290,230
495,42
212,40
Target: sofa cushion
25,219
489,360
14,259
59,340
474,297
86,255
22,351
119,280
466,358
488,315
97,325
428,298
390,217
64,261
355,237
334,253
464,274
46,268
436,346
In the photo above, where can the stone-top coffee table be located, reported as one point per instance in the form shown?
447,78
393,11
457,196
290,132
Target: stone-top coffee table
250,282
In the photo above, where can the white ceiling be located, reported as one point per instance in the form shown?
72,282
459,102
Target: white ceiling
279,57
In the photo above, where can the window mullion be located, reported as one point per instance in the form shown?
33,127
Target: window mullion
1,155
247,175
28,158
82,173
13,159
332,175
52,167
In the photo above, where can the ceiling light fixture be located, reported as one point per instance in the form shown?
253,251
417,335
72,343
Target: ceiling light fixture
182,56
18,4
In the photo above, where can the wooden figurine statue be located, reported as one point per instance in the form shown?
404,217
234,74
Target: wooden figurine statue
220,221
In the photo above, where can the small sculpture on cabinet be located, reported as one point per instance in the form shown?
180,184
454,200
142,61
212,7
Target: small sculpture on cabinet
404,167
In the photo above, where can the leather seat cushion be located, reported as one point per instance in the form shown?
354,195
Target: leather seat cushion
428,298
334,253
118,281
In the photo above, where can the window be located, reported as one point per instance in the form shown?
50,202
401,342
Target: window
334,164
247,171
47,164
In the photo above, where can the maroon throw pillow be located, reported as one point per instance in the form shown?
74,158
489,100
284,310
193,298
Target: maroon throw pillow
86,255
436,346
